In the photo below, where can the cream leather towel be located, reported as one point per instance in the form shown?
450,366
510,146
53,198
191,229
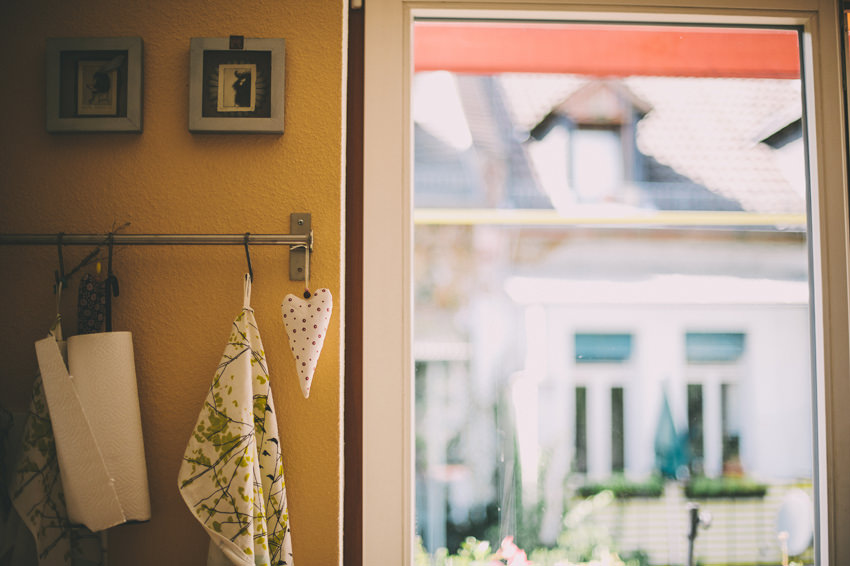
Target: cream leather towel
232,473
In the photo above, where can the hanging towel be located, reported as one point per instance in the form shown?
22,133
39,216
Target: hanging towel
231,477
94,408
91,304
38,496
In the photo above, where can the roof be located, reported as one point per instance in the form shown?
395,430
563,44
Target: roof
700,139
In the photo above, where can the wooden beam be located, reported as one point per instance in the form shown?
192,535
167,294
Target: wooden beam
352,534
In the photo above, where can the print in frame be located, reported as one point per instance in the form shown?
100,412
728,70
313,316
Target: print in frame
236,85
94,84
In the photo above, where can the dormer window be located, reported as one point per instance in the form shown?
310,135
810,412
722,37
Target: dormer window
584,149
597,171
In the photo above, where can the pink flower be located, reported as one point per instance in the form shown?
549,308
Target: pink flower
512,554
519,559
508,549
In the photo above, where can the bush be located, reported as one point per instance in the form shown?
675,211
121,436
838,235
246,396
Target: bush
725,487
623,488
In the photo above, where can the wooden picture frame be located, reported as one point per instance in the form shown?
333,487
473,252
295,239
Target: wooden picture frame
94,84
236,85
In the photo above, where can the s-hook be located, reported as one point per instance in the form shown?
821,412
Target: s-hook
59,275
111,283
248,257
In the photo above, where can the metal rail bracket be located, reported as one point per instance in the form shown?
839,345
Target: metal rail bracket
300,224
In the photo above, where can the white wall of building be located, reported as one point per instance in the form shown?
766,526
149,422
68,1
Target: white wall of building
772,376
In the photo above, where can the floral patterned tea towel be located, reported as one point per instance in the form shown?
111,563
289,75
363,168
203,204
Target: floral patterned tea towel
231,477
37,494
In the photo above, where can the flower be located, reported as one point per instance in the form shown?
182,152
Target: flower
519,559
508,549
511,553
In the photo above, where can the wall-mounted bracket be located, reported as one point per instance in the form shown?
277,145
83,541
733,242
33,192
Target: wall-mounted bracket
300,224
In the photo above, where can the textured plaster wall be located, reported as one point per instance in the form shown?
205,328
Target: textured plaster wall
179,301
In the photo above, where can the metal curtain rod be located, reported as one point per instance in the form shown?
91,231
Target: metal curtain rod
300,240
155,239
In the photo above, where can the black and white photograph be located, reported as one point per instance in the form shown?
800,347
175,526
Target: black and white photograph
237,88
97,88
94,85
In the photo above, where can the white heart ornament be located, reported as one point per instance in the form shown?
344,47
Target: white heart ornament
306,322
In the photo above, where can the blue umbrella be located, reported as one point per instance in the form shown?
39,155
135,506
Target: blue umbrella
671,446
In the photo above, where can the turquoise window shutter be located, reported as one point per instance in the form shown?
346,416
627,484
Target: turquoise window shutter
705,347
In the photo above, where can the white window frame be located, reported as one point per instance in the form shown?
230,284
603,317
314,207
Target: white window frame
388,514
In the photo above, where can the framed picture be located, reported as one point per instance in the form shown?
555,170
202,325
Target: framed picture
94,84
236,85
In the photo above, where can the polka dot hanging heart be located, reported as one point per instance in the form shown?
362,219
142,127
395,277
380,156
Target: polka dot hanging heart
306,322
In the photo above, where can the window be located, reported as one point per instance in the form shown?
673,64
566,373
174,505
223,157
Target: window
580,458
731,418
593,129
618,432
696,426
387,241
594,348
597,159
715,370
704,347
682,291
601,370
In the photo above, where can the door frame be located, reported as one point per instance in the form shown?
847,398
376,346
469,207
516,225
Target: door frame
386,294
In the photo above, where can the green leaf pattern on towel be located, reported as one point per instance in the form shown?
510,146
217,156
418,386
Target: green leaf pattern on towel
37,494
232,472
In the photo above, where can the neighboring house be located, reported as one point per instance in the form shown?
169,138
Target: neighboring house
587,330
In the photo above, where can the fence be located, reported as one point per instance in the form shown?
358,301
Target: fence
742,530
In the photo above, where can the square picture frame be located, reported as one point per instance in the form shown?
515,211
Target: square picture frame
94,84
236,85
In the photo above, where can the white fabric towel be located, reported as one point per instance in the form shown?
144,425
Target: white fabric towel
231,477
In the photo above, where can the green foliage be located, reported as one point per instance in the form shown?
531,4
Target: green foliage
636,558
723,487
581,543
623,488
420,555
582,538
474,550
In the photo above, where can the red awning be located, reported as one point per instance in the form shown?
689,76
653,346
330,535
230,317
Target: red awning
606,50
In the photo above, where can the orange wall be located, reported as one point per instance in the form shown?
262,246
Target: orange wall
179,301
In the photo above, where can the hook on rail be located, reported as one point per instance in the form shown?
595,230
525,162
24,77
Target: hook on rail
248,257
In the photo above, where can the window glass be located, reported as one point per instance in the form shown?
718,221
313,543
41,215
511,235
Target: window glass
618,447
713,347
695,428
661,193
603,347
580,455
598,159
